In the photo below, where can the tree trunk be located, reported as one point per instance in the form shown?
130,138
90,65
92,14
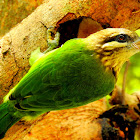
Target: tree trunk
17,45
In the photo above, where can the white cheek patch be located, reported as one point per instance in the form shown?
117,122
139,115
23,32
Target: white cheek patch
113,45
107,45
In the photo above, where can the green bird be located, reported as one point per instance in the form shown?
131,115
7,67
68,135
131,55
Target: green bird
79,72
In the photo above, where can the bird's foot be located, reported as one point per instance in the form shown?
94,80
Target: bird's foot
52,39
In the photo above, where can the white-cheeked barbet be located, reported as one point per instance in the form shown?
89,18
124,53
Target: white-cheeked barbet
79,72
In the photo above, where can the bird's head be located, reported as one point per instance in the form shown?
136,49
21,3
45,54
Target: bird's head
114,46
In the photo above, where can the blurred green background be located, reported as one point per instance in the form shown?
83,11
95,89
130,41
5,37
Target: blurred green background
133,75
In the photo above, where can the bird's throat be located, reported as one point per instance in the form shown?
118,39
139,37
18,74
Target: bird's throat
110,63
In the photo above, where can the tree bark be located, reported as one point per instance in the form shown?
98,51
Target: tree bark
17,45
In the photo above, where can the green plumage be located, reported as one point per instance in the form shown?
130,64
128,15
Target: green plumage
67,77
7,118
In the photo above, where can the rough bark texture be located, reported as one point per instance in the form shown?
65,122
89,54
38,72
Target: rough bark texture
14,11
17,45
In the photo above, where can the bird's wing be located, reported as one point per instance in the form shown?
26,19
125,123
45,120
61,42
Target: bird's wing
38,87
66,78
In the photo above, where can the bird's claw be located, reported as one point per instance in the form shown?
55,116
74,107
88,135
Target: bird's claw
52,39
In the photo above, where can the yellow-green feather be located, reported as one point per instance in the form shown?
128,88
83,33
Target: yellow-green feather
67,77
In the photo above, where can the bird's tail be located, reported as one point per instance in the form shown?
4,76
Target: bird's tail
6,119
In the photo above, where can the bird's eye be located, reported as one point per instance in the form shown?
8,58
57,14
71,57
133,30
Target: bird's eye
122,38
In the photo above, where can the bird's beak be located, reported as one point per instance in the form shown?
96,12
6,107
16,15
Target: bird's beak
136,44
